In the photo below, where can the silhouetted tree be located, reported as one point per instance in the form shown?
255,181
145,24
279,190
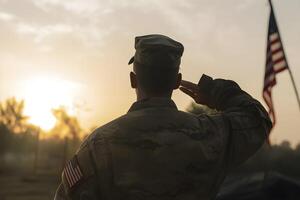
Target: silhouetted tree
12,115
5,139
66,125
12,120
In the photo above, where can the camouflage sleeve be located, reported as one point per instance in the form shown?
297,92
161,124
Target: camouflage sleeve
79,181
243,121
60,193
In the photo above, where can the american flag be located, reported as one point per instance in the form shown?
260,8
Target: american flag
276,62
72,172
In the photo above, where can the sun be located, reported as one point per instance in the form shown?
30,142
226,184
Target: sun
42,95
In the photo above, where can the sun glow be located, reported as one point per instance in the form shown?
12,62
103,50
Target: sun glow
41,95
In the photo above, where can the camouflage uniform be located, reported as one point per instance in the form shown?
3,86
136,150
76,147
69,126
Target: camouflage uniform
158,152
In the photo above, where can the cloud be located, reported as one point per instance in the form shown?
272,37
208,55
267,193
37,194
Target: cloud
76,6
42,32
4,16
93,23
245,4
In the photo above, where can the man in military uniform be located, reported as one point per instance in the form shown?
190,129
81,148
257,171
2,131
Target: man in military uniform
156,151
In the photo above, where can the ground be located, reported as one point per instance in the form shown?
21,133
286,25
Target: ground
28,187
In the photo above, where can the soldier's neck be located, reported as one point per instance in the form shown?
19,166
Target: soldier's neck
142,95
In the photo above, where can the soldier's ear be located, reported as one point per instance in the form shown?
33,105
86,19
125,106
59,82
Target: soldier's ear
178,81
133,80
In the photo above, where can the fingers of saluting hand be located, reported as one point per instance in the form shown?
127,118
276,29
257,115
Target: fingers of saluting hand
188,92
189,85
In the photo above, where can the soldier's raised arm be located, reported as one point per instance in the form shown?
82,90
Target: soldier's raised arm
242,122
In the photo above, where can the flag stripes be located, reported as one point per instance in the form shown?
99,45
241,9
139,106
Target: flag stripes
72,172
275,63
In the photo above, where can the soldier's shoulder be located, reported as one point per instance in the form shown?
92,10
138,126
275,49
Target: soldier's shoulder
187,115
190,118
107,130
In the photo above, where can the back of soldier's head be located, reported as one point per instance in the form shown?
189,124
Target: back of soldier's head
156,63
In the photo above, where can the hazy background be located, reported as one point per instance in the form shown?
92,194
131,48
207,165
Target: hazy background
63,71
75,52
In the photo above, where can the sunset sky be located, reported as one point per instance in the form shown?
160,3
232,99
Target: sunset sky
75,52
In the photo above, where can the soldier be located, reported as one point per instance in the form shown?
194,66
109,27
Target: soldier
156,151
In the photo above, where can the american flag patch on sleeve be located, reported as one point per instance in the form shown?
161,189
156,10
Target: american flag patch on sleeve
72,172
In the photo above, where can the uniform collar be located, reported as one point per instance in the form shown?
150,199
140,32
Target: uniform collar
153,103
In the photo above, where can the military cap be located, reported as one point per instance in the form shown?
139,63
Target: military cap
156,50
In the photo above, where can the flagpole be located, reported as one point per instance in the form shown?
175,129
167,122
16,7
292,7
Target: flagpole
295,87
286,60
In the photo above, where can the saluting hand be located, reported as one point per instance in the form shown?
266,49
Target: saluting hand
193,91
